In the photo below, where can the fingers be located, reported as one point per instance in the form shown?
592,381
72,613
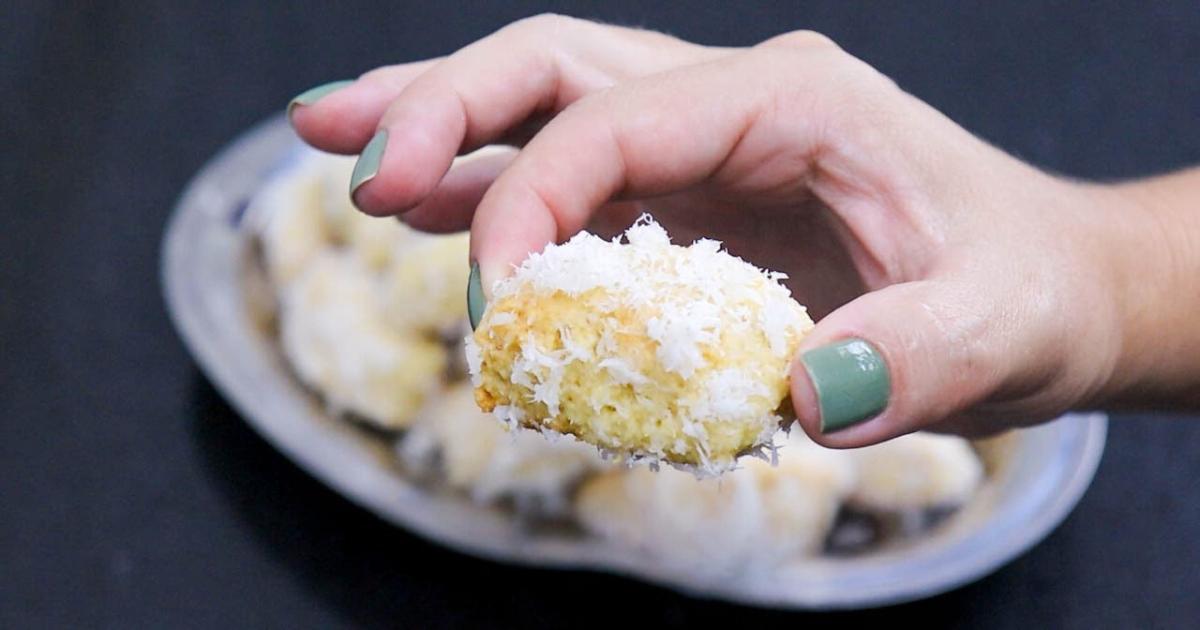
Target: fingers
452,203
344,119
501,87
450,206
661,134
476,94
902,358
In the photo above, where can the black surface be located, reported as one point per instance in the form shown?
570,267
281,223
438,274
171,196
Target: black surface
132,496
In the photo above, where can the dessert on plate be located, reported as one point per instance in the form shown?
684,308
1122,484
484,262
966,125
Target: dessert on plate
648,350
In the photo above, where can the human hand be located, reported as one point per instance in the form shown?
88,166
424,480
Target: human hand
960,289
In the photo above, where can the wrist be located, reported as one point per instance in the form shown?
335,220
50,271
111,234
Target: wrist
1151,247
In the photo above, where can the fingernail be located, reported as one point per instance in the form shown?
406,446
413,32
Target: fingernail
476,302
312,95
851,381
367,166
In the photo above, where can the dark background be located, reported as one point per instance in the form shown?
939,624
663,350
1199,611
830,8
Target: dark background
132,496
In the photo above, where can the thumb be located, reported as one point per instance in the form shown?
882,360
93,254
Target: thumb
896,360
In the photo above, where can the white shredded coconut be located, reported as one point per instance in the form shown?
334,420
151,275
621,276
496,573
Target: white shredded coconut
682,332
690,285
775,318
509,415
622,372
474,359
728,393
503,319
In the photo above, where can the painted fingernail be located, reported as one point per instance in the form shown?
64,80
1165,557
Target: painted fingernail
851,381
367,166
476,302
312,95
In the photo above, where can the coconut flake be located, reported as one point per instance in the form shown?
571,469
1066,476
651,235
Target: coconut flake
474,360
622,372
502,318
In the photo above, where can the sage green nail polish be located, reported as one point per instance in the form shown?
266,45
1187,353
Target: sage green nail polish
367,166
851,381
476,302
312,95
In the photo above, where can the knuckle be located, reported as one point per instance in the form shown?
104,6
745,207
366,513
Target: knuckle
379,74
598,104
542,23
812,60
801,39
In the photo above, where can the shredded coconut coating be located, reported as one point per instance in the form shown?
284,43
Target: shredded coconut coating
648,350
333,332
425,282
362,300
761,514
291,229
751,518
477,455
914,472
376,240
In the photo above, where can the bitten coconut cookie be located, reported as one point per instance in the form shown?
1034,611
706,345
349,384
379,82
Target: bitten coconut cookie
645,349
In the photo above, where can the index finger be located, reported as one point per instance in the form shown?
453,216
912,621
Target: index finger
650,137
